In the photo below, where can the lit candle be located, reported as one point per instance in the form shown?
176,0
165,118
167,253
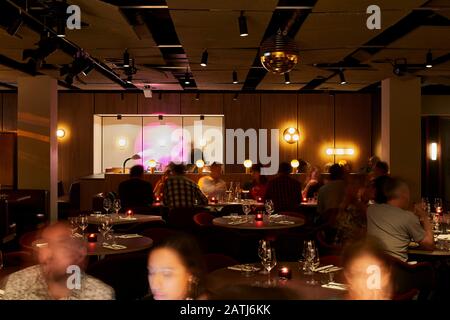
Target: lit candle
157,199
129,213
259,199
284,273
259,216
304,199
92,237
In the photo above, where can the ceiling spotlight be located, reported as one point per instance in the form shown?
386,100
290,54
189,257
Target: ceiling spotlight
342,77
204,61
399,69
243,31
235,77
126,59
186,78
429,58
235,96
130,79
197,96
287,78
61,28
86,71
148,91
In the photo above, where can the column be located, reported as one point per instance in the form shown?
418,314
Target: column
37,142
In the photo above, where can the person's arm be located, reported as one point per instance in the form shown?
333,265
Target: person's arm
202,199
428,240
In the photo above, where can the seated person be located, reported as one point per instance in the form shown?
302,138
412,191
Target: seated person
176,270
332,193
50,279
313,183
182,192
136,192
159,187
358,261
213,185
284,191
381,168
395,225
258,185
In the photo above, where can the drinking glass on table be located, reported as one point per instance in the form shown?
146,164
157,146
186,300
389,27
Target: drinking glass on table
83,223
268,205
246,208
107,204
263,246
312,261
73,221
269,261
117,206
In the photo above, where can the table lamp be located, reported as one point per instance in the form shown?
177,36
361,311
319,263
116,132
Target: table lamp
134,157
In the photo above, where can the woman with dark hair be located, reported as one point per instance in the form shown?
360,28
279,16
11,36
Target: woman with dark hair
176,269
313,183
258,185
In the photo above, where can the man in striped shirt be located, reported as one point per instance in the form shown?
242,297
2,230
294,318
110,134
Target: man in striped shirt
182,192
284,191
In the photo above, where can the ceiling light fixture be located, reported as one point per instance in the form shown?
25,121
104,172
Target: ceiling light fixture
61,27
236,95
126,59
147,91
342,77
204,61
186,78
197,96
235,77
86,71
287,78
429,60
279,53
243,31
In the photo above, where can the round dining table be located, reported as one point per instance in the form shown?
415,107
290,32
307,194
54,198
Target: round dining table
298,285
125,244
275,222
121,220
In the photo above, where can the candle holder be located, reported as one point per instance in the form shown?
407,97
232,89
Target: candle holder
214,200
285,273
129,213
92,237
259,200
259,216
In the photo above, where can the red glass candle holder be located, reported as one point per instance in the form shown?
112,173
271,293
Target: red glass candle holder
92,237
129,213
259,216
285,273
259,200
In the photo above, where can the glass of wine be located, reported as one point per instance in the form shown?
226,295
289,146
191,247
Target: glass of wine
83,224
246,208
107,204
268,205
117,206
269,262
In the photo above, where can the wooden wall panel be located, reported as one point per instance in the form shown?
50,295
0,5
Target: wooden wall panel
169,103
1,111
316,125
116,103
353,127
75,116
244,113
9,111
211,103
279,111
8,143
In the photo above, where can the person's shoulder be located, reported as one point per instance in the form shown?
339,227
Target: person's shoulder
96,289
29,272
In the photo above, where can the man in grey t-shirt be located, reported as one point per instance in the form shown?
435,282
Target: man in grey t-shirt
395,225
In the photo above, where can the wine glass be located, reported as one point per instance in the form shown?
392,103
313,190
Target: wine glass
268,205
117,206
83,223
312,261
107,204
73,225
237,191
247,209
263,245
269,261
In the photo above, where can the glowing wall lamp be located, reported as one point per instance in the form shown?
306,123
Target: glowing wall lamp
121,143
60,133
291,135
295,164
248,164
433,151
200,164
340,151
152,165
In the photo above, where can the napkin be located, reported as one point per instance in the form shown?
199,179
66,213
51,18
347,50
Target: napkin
42,244
335,285
114,246
275,216
244,267
77,235
129,236
127,218
320,269
237,222
332,269
285,222
443,237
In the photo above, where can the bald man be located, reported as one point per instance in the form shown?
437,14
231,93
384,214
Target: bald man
59,274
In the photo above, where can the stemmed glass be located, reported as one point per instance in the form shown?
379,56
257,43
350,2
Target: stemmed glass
247,209
107,204
237,191
312,261
263,246
83,223
229,192
269,261
117,206
106,226
268,205
73,225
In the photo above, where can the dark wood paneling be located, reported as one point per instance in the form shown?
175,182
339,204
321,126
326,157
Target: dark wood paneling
166,103
8,143
75,116
9,111
316,125
279,111
116,103
244,113
353,127
211,103
376,125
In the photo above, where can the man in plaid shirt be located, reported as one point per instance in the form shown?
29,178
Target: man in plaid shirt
182,192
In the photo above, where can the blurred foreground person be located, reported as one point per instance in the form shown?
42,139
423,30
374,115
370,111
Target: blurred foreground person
56,277
176,270
366,270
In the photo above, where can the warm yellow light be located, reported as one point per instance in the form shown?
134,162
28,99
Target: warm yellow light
248,163
291,130
295,163
350,151
202,142
200,163
287,137
295,137
152,163
342,163
122,142
291,135
330,151
340,151
433,151
60,133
